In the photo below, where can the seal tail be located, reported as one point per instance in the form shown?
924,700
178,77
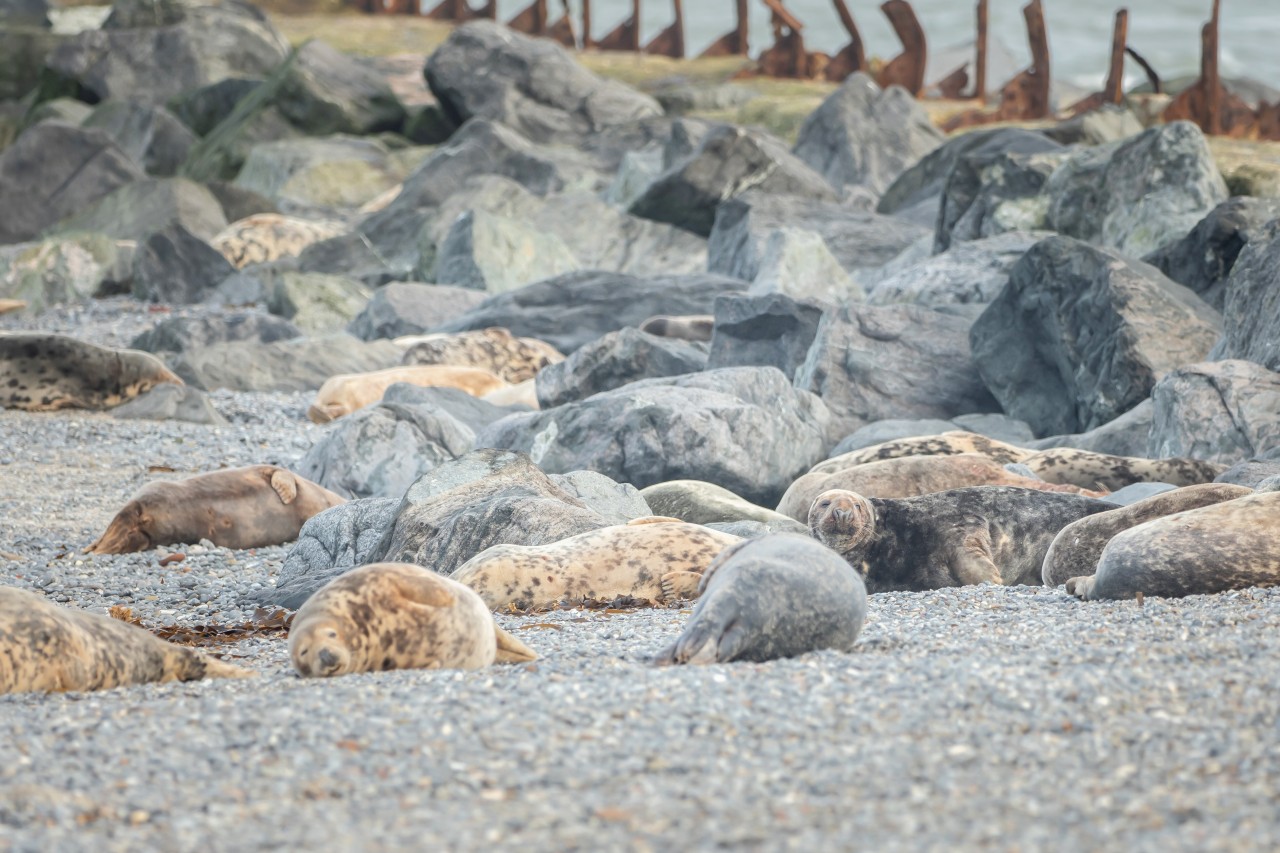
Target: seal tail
511,650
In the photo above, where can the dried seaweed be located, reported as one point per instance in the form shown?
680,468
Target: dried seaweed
264,624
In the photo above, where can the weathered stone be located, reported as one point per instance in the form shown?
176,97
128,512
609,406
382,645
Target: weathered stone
972,271
1253,472
319,174
1125,435
767,331
139,209
614,360
151,135
174,266
24,13
316,302
24,49
327,92
402,308
184,334
990,194
1251,314
63,269
798,264
169,402
1222,411
300,364
493,253
66,110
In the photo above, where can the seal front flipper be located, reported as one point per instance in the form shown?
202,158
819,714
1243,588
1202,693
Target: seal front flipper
1082,587
975,562
511,650
285,485
678,585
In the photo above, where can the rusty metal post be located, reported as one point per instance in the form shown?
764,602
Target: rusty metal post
625,36
907,68
1207,102
587,40
459,10
787,56
852,57
1113,92
734,42
670,42
980,51
532,19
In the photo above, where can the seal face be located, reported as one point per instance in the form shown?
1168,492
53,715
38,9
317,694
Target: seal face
44,647
42,373
349,392
495,349
777,596
987,534
657,559
1078,546
1225,546
687,327
396,616
238,508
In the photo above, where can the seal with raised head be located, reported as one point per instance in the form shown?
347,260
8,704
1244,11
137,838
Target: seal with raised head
909,476
987,534
42,373
349,392
653,558
397,616
1225,546
44,647
1078,546
249,507
951,443
265,237
685,327
1103,471
495,349
777,596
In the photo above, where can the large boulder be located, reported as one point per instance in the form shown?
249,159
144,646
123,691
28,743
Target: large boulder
404,308
869,363
797,263
1080,335
1125,435
319,174
326,91
1252,472
185,334
602,237
969,272
1251,313
139,209
316,302
24,50
300,364
573,309
773,330
151,135
864,136
54,170
497,254
744,428
1222,411
533,85
174,266
989,194
24,13
614,360
729,161
63,269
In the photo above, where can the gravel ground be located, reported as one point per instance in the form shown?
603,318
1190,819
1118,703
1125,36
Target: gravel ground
1005,718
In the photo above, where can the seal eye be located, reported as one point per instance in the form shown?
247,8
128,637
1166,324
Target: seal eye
823,504
332,633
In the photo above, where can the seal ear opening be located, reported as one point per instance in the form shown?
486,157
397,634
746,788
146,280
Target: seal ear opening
511,650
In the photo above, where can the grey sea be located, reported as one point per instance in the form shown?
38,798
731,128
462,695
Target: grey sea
1166,32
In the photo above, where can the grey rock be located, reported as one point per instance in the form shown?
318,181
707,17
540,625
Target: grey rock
1125,435
330,544
767,331
65,110
24,49
742,428
183,334
972,271
533,85
1080,335
617,502
202,108
1251,310
1254,472
571,310
614,360
24,13
174,266
64,269
869,363
301,364
327,91
151,135
889,429
139,209
990,194
315,302
238,203
1131,494
1108,123
496,254
320,174
403,308
729,161
1203,259
169,402
1222,411
681,96
866,137
602,237
798,264
996,425
53,170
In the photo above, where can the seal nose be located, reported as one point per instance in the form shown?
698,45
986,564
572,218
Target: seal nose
328,659
844,514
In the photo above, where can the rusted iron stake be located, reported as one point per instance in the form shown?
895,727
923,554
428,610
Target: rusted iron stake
734,42
625,36
670,42
907,68
852,57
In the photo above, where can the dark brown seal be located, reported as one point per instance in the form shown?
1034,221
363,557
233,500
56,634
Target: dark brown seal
691,327
41,373
237,508
988,534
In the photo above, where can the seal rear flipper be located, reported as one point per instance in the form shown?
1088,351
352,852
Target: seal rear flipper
285,485
1081,587
194,666
678,585
511,650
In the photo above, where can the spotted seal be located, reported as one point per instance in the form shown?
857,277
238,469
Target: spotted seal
777,596
951,443
1102,471
345,393
495,349
909,476
1225,546
44,647
987,534
42,372
698,502
1077,547
396,616
265,237
250,507
689,327
653,558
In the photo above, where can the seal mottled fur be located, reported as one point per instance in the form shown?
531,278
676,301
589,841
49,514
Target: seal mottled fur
495,349
265,237
1101,470
42,372
249,507
686,327
951,443
397,616
988,534
44,647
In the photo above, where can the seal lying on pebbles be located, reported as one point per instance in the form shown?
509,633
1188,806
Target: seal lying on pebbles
774,597
42,373
655,558
9,305
1229,545
988,534
349,392
265,237
495,349
951,443
44,647
396,616
1077,547
1100,470
698,502
910,476
237,508
691,327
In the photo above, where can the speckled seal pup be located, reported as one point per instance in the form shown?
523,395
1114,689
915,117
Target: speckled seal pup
236,508
687,327
988,534
777,596
495,349
1226,546
44,647
658,559
1102,471
345,393
1077,547
42,373
910,476
397,616
951,443
265,237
